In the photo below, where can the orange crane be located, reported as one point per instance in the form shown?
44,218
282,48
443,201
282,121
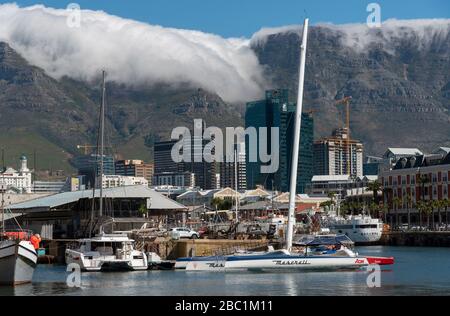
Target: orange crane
346,101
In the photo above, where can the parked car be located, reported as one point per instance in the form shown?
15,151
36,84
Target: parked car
184,232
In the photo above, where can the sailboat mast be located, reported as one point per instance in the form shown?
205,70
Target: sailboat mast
3,203
236,184
295,150
102,139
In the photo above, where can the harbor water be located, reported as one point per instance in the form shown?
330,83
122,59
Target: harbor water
417,271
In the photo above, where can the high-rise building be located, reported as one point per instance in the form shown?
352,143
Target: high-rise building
277,111
135,168
166,170
229,170
89,166
331,155
163,158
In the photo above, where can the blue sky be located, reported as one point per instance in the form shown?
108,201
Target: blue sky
235,18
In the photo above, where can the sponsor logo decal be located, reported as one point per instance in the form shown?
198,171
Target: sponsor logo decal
291,262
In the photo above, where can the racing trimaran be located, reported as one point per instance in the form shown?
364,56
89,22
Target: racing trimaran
311,252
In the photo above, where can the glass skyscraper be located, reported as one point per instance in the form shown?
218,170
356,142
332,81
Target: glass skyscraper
277,111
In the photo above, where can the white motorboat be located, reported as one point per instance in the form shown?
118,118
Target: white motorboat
360,228
107,252
18,260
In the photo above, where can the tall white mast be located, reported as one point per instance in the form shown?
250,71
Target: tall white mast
295,149
236,184
3,188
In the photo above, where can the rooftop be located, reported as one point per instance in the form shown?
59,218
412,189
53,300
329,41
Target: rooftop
327,178
158,201
403,152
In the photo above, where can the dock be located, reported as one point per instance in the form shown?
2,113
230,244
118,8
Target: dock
169,249
416,239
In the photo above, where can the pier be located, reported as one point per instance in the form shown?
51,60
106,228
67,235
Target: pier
416,239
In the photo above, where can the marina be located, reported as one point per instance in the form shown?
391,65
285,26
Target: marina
114,192
418,271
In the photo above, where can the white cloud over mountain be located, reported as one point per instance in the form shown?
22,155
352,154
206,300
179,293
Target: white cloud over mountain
137,53
132,52
360,36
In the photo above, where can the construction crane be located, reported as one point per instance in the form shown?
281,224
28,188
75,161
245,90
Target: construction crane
346,101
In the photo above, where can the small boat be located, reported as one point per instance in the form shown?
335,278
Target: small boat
18,259
107,252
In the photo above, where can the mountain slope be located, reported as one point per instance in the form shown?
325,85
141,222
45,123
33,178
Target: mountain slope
400,90
65,113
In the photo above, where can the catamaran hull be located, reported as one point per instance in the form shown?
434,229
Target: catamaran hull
17,262
284,264
97,265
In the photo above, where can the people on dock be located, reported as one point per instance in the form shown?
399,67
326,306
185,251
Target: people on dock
35,241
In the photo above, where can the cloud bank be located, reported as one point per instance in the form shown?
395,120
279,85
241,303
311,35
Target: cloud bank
359,36
132,52
136,53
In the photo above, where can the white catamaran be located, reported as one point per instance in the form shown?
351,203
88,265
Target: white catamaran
304,255
105,251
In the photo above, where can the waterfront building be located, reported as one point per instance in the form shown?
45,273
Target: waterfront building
413,179
168,172
89,167
68,215
337,184
163,162
113,181
331,155
442,151
135,168
19,181
393,155
51,187
176,179
372,166
196,197
229,169
276,111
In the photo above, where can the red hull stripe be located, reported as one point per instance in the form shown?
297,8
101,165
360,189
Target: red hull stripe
380,260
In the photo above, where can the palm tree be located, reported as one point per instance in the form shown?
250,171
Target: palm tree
437,204
345,208
384,209
409,206
440,206
446,204
421,206
373,208
374,186
423,180
396,203
429,209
